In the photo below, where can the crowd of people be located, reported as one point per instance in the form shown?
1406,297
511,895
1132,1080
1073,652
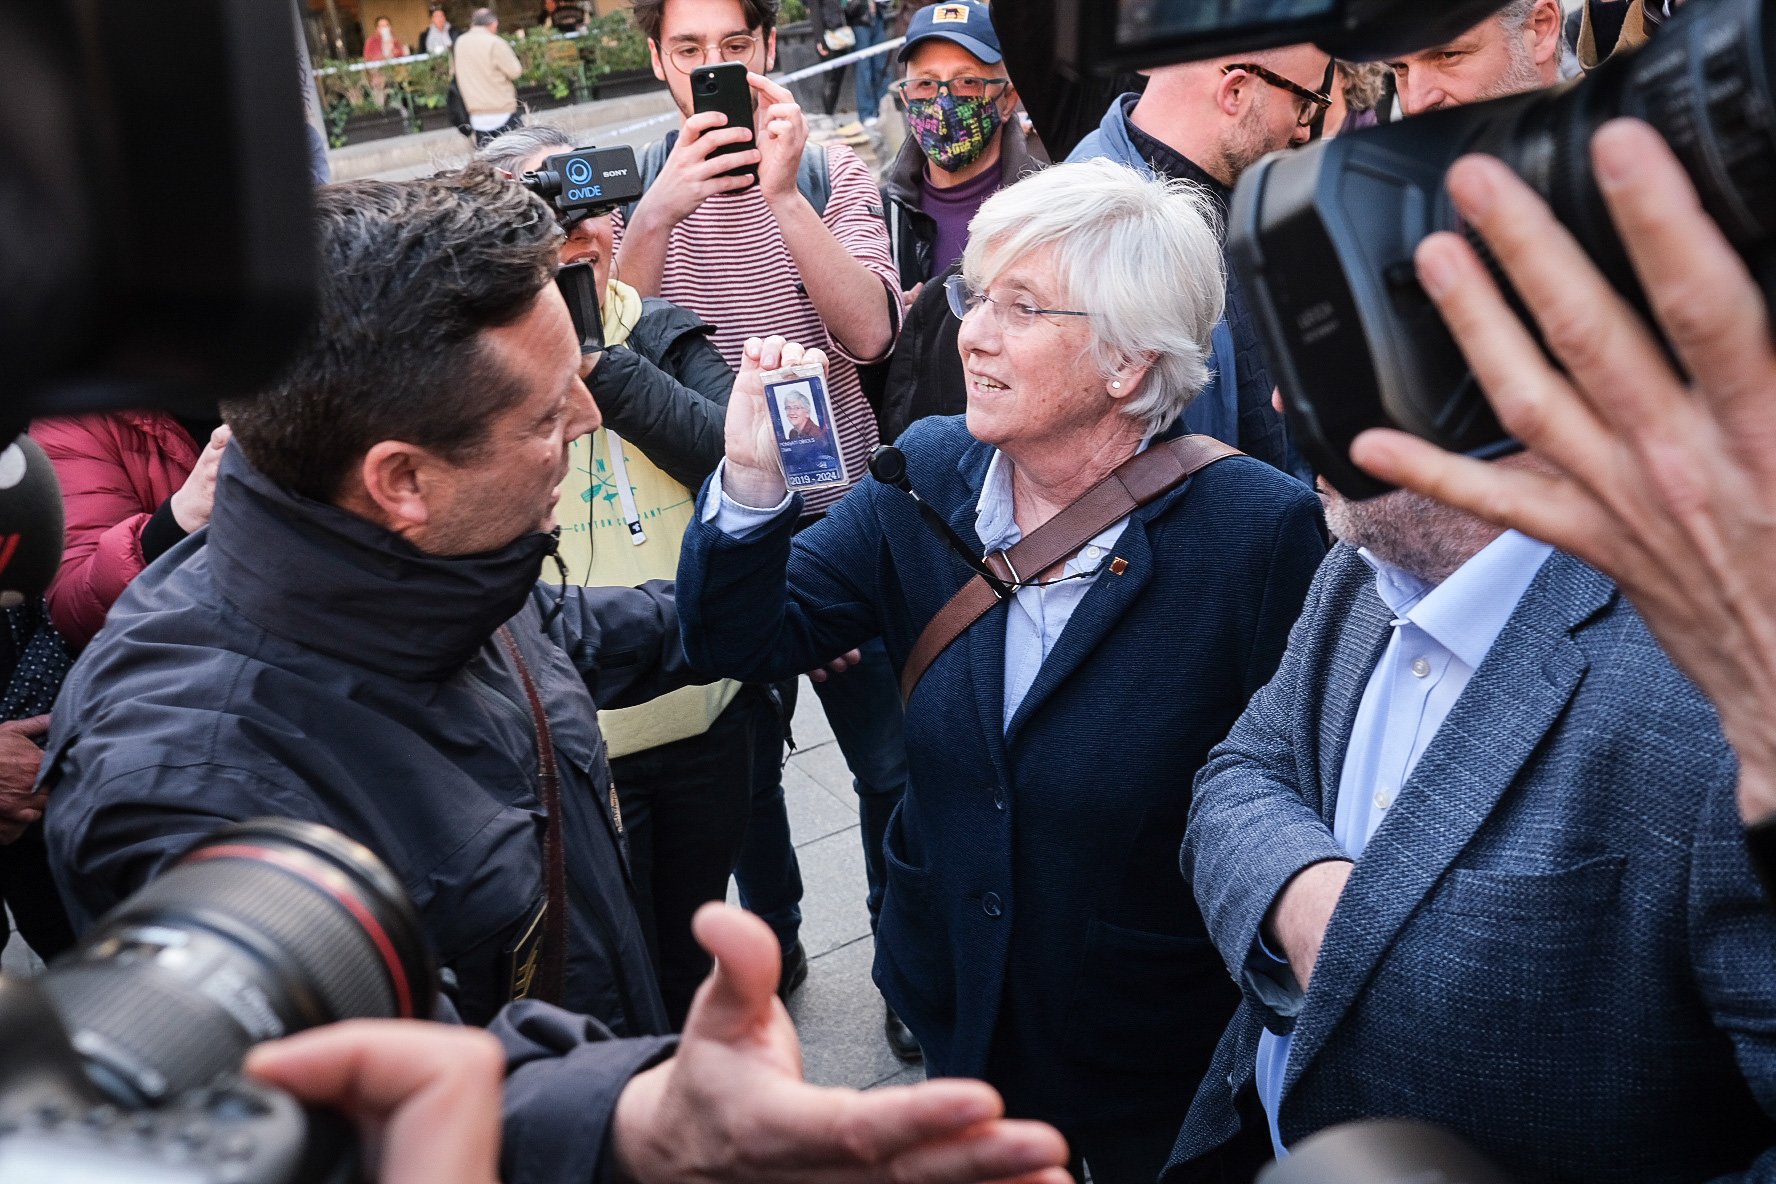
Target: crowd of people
1200,813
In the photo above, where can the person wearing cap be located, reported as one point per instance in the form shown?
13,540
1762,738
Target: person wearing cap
963,144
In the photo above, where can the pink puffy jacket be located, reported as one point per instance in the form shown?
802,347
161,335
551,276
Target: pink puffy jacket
115,471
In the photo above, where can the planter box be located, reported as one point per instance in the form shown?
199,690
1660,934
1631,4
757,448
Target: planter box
383,125
434,120
620,83
538,98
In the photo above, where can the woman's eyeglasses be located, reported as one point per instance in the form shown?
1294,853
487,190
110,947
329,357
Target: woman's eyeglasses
1308,103
919,90
1014,316
687,56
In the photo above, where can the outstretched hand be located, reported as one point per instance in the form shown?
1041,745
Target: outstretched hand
1664,480
731,1106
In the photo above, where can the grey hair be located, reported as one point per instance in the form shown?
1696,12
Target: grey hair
1515,15
520,144
484,18
1141,254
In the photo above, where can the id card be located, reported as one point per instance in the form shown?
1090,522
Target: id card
802,421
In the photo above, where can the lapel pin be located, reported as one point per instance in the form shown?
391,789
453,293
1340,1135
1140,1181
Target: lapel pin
1118,565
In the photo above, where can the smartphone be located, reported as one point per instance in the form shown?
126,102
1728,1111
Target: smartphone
579,287
802,422
723,88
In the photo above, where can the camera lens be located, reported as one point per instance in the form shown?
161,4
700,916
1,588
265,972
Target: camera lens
261,930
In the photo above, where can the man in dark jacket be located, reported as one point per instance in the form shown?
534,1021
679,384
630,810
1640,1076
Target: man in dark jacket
359,639
1208,122
370,576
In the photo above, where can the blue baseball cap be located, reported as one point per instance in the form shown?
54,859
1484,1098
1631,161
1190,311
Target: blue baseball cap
964,22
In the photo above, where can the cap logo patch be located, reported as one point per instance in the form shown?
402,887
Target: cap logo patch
949,14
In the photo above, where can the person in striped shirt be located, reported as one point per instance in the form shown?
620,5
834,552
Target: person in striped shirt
753,261
756,260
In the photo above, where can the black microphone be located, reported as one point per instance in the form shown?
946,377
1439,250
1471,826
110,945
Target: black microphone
888,465
30,523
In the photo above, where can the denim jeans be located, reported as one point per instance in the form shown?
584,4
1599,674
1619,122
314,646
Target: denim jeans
863,707
871,73
769,879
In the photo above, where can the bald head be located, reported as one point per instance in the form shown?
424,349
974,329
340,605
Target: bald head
1223,117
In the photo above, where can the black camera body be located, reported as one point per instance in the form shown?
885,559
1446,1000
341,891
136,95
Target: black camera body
587,181
1323,237
122,1059
56,1125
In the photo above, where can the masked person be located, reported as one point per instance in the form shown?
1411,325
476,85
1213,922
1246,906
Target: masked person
964,142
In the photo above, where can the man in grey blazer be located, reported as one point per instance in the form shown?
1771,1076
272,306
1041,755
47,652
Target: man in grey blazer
1473,857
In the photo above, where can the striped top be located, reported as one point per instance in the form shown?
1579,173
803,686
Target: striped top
728,263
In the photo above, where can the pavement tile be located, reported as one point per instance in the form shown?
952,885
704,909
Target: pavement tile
833,889
814,813
838,1014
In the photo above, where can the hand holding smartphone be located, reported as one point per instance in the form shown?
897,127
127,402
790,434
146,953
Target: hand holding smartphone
724,88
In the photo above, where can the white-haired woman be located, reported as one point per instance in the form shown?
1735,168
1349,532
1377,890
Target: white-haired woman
1036,931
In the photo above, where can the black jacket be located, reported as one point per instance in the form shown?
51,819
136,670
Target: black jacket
911,231
925,374
309,664
666,391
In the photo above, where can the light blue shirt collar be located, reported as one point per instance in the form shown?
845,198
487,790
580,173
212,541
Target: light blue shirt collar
1465,613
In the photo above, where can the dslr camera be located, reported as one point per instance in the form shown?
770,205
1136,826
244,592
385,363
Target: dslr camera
121,1059
581,184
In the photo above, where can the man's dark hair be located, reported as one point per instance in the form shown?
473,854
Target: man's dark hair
761,16
411,272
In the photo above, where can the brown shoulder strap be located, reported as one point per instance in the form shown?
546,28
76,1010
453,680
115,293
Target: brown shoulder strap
551,972
1138,480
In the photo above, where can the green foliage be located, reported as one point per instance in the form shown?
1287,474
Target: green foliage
791,12
615,44
549,62
426,83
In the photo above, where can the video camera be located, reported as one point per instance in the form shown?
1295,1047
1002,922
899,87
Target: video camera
586,182
581,184
121,1059
1323,237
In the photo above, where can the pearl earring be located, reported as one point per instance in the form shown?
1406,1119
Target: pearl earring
1116,386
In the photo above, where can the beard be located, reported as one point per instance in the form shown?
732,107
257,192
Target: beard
1522,77
1248,141
1409,531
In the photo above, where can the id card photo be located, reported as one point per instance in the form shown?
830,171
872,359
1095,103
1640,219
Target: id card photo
801,419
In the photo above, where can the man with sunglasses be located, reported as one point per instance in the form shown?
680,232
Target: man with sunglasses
964,142
1208,122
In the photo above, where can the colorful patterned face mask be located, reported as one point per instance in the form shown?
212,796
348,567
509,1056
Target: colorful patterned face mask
952,132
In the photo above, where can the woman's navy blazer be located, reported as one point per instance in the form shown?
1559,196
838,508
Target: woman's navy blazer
1036,929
